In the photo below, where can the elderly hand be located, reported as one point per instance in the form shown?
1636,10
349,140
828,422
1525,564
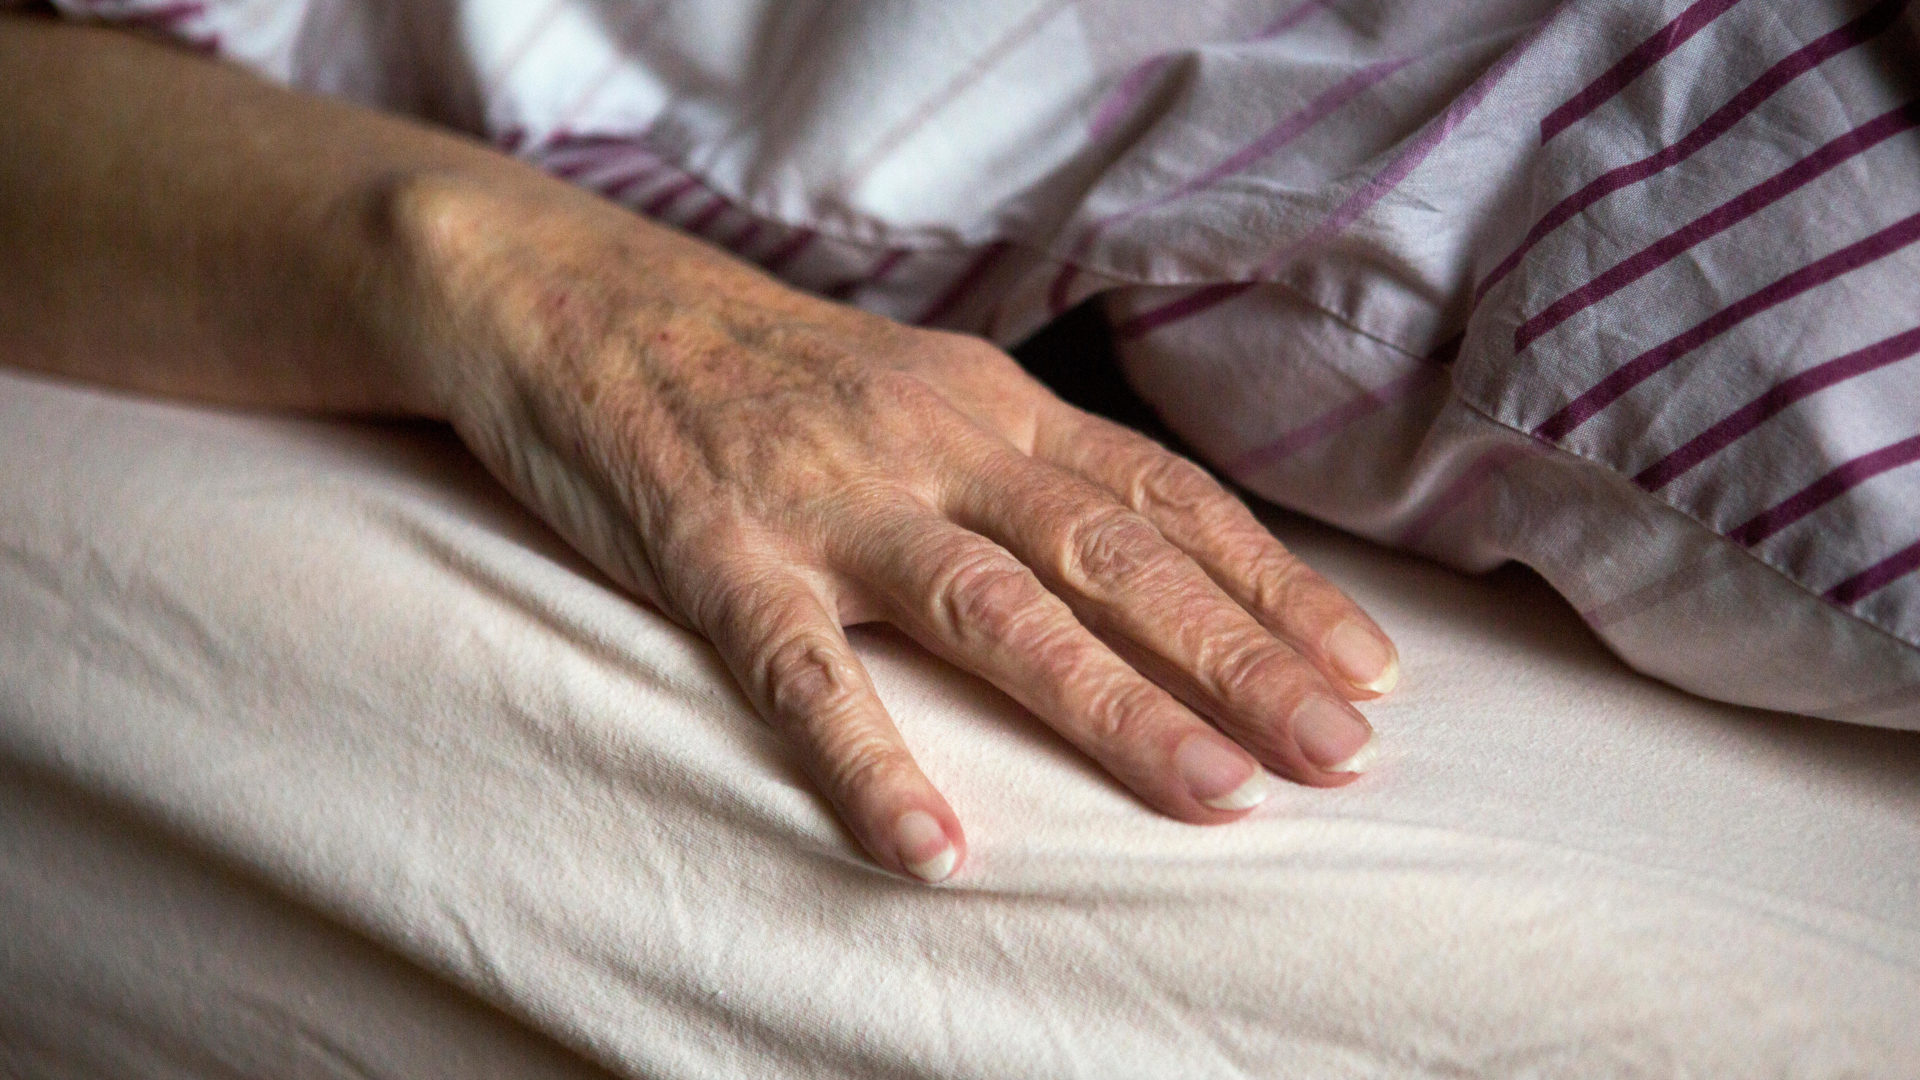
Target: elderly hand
767,468
763,466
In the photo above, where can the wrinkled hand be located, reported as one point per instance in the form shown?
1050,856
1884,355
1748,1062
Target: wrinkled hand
768,468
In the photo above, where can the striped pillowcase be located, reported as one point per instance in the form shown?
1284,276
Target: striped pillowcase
1674,357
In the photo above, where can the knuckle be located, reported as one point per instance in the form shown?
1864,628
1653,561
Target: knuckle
970,348
1280,581
1120,712
1107,545
860,762
1171,485
729,600
983,591
904,395
711,597
1254,668
807,679
931,352
1066,655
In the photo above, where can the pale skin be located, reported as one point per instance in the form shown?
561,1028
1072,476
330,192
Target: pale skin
762,466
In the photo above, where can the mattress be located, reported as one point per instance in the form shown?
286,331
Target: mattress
320,757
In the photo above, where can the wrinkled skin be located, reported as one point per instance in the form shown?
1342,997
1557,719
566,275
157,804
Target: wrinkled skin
767,468
763,466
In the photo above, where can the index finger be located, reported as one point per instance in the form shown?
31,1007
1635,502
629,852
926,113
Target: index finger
788,651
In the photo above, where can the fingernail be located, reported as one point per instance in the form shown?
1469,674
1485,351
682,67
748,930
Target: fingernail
1332,735
1364,657
924,847
1219,776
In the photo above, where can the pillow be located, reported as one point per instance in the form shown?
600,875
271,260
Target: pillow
1672,359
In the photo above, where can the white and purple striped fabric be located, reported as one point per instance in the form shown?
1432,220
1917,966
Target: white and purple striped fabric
1627,292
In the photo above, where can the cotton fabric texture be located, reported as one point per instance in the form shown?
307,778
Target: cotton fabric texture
319,757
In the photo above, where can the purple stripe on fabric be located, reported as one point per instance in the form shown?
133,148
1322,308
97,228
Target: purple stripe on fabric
1384,183
977,69
658,205
1775,401
1202,299
626,189
975,272
1330,423
1876,577
569,156
1716,221
1642,367
1841,480
615,185
1757,93
779,257
1477,475
1288,128
1132,87
566,139
584,161
1662,44
874,275
708,214
162,17
744,238
1125,95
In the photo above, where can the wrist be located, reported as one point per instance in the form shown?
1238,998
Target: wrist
492,277
423,292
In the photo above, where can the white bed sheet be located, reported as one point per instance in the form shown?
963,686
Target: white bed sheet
318,757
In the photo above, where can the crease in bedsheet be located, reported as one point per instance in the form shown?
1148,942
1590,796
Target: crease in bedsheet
195,853
313,1041
104,628
1445,1059
1332,842
472,555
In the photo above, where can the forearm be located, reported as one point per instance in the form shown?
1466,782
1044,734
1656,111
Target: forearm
176,225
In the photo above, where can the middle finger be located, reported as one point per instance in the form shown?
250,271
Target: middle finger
1160,610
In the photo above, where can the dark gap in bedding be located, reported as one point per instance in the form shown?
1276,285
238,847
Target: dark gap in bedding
1075,357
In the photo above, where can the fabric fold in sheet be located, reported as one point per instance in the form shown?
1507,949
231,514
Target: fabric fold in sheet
319,756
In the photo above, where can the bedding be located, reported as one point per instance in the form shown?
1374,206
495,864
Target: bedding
319,757
1623,292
